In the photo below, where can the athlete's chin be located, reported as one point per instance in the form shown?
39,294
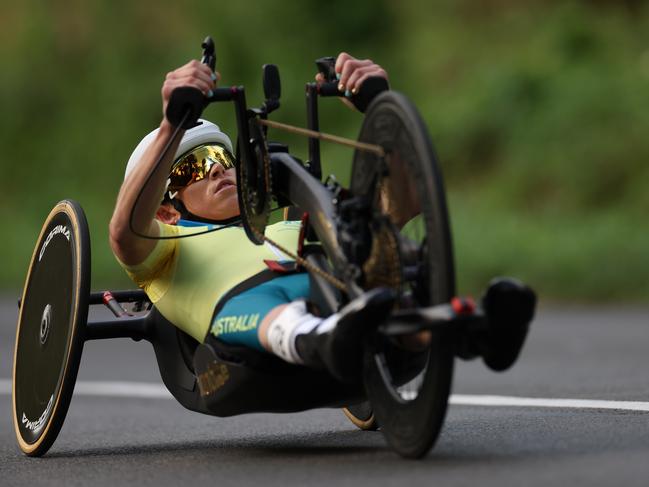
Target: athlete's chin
226,208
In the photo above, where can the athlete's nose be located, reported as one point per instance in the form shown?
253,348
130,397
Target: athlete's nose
216,170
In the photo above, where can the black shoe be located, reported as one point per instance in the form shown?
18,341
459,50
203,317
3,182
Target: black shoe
339,349
509,306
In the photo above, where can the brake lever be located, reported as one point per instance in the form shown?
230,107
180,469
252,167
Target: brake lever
209,54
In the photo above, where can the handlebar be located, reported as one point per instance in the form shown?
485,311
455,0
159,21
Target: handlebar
187,104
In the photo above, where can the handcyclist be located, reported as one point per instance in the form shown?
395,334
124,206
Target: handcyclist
218,286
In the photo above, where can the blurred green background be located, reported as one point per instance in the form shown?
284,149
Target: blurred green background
539,111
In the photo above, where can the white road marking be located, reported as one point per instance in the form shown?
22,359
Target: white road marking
122,389
540,402
159,391
110,389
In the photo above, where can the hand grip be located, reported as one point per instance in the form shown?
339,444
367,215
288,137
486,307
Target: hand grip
185,106
369,89
361,100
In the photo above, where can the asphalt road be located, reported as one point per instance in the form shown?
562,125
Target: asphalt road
576,353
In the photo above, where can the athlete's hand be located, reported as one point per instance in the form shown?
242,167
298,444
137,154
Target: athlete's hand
353,72
194,74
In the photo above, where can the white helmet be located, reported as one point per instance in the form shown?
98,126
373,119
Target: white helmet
204,132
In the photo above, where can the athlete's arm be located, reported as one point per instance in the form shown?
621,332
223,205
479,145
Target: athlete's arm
127,246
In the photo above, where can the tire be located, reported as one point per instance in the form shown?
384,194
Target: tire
408,390
51,323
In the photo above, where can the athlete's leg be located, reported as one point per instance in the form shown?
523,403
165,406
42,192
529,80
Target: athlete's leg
265,323
297,336
274,317
240,320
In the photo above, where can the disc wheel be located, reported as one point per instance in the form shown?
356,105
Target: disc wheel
407,378
51,322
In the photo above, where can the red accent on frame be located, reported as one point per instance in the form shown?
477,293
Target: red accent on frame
463,306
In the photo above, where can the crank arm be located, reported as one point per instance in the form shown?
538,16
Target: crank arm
458,316
496,330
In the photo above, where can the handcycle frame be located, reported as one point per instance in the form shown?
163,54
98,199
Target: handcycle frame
241,380
298,186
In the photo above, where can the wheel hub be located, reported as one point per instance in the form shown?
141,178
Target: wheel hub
46,324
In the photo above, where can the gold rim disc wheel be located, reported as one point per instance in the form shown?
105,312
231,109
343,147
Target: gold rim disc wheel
362,416
49,337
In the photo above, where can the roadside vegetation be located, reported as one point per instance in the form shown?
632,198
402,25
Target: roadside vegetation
539,112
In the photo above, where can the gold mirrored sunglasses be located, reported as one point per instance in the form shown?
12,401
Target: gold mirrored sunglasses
197,164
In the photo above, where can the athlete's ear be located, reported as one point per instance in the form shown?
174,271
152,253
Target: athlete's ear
167,214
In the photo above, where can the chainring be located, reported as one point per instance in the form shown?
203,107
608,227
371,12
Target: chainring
254,183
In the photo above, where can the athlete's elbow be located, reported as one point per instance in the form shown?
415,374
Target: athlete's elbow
128,246
118,236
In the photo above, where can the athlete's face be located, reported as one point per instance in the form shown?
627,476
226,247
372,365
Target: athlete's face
214,197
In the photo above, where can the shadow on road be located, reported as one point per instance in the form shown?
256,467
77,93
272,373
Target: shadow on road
288,446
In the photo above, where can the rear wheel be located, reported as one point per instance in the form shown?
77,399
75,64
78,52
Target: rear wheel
407,379
51,321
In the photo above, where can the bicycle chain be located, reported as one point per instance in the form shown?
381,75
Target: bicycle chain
333,280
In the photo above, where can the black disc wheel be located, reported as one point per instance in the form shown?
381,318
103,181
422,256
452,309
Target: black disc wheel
407,378
51,322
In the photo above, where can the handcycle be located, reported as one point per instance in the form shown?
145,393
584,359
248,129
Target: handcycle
389,228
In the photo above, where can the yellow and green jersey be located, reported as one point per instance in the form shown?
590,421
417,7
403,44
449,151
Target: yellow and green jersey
185,278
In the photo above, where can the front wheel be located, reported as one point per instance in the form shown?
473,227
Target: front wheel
408,378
